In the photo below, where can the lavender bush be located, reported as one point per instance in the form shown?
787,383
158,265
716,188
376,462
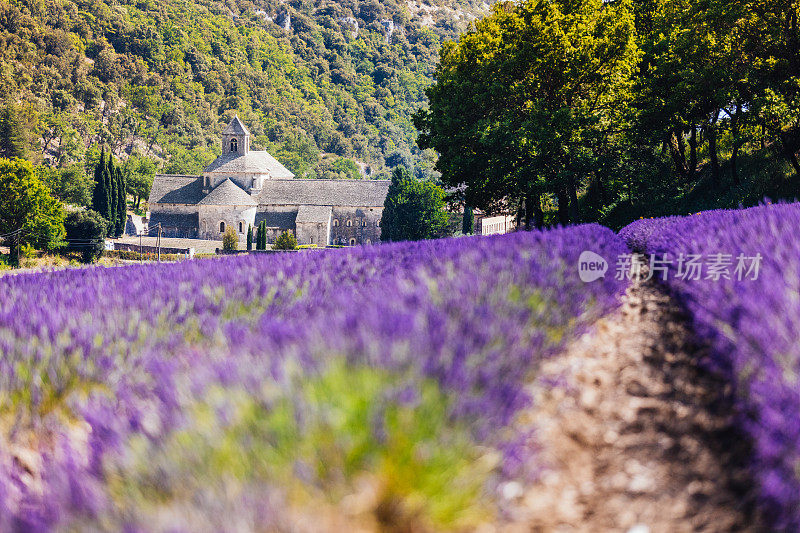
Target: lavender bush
230,393
754,329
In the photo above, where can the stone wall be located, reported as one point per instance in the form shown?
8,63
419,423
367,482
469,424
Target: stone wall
210,217
356,225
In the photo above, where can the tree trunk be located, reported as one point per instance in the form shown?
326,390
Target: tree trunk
693,152
712,151
734,170
675,152
789,153
563,207
573,202
534,217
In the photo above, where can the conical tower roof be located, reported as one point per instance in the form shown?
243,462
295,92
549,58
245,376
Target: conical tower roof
236,127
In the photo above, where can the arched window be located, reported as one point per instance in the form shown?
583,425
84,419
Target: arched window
312,240
377,223
208,181
352,242
349,223
241,227
369,241
335,222
234,146
222,227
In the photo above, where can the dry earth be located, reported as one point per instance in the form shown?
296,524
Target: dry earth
639,440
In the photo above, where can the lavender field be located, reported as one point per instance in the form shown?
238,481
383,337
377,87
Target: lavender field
753,328
383,383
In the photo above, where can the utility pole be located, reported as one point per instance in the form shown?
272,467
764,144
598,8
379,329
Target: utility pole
159,242
141,260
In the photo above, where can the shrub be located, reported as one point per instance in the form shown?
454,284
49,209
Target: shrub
85,234
285,241
230,241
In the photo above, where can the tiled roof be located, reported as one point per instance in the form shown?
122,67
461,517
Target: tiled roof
319,214
345,193
227,193
176,189
277,219
172,220
253,162
236,127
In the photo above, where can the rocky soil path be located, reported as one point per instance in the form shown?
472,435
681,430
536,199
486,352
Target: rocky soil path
638,439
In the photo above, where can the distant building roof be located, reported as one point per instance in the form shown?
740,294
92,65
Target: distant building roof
255,162
277,219
173,220
227,193
176,189
315,214
345,193
236,127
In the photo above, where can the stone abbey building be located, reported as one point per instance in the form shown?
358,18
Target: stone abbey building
243,187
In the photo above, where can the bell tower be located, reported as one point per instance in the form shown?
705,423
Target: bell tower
235,139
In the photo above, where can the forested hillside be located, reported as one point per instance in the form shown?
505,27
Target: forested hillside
327,87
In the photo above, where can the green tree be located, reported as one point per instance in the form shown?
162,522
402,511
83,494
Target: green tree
70,184
29,215
249,237
101,195
12,139
262,236
86,231
122,201
468,222
139,174
413,209
285,241
526,101
230,240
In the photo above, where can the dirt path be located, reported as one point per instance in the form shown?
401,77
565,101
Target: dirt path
638,440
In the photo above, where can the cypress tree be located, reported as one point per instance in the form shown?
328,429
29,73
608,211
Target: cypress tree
263,235
249,237
468,222
101,196
113,197
122,217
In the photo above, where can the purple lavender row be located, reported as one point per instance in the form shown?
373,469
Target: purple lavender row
753,326
107,374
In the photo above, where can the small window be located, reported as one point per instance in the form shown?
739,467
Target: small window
335,222
349,223
222,227
234,146
241,227
377,223
352,242
312,240
208,181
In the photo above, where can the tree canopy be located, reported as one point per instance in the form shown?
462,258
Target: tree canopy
528,99
413,210
28,212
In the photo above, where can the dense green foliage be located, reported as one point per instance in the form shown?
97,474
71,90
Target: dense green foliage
70,184
12,140
413,209
249,237
86,231
285,241
613,110
468,221
161,79
109,197
29,215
